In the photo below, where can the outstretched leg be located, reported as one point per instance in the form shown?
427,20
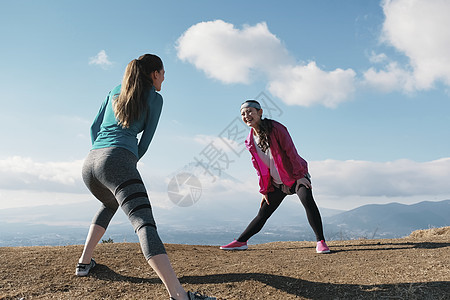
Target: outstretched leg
104,215
114,179
161,265
266,210
94,235
312,212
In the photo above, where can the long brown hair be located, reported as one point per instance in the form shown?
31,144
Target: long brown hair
136,83
265,128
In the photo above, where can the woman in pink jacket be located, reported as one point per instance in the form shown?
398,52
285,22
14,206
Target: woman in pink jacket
281,172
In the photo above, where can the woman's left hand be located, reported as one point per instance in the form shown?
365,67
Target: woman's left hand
305,182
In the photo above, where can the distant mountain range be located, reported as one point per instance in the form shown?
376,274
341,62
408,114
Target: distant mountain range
390,220
45,226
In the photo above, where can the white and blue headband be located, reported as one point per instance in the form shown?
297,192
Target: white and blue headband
251,103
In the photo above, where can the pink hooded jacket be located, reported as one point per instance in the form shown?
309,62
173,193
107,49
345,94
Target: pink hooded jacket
288,162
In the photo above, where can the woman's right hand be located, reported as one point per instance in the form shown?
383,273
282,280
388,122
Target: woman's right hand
265,199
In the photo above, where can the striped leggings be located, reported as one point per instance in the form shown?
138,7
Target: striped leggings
112,177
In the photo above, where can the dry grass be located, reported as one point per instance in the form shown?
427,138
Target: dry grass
416,267
432,232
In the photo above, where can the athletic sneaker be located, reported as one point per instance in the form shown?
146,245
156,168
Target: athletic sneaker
83,269
235,245
196,296
322,247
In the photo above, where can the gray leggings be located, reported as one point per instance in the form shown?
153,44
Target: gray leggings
112,177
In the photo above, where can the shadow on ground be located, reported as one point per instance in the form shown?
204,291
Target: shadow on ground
302,288
378,246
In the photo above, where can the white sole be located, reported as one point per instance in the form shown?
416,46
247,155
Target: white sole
235,248
328,251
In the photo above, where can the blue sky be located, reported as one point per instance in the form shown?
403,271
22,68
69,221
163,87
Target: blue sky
363,87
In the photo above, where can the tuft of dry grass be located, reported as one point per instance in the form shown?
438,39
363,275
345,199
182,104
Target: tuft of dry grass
430,233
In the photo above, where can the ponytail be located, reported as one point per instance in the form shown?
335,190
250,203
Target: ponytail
265,129
131,102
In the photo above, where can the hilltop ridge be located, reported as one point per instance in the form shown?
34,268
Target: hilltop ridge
415,267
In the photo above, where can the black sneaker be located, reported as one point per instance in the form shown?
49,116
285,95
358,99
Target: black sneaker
83,269
196,296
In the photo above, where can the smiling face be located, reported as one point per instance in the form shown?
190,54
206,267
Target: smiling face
251,116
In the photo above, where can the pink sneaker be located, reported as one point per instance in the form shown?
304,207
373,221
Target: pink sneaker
322,247
235,245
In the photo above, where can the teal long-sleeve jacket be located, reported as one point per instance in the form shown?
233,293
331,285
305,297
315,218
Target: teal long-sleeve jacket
106,131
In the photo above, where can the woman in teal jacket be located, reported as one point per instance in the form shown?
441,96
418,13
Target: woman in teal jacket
281,171
110,170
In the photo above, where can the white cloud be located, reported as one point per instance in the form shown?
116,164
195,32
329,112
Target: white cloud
377,58
229,54
340,184
232,55
401,178
419,30
30,198
25,174
393,78
101,59
308,85
337,184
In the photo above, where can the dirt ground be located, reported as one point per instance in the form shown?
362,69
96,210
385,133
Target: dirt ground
416,267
